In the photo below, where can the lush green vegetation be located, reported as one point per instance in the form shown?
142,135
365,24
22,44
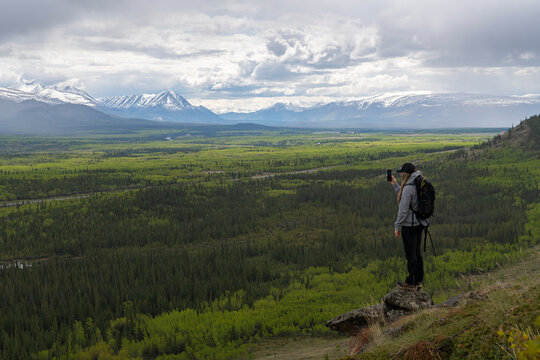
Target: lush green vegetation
37,168
210,250
504,324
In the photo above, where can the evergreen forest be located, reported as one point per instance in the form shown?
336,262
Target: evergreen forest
160,246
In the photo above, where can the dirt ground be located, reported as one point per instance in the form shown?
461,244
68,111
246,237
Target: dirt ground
304,348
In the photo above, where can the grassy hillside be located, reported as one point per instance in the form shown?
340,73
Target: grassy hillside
504,324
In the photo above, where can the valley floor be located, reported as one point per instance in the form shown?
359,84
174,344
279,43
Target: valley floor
233,246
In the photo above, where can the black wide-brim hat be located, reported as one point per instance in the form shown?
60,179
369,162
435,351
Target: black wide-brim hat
407,168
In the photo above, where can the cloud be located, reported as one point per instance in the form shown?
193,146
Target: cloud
151,49
274,70
236,49
277,46
474,33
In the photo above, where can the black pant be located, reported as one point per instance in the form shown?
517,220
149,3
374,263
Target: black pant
412,239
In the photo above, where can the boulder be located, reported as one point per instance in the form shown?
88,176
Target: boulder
408,300
397,303
352,322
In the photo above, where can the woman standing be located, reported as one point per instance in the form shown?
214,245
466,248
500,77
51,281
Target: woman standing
408,226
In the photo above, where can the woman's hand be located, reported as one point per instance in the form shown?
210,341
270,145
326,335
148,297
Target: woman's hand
397,234
394,181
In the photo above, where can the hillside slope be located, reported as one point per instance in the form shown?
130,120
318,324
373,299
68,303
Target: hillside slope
505,323
441,333
526,135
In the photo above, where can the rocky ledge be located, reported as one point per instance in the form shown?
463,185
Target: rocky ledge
396,304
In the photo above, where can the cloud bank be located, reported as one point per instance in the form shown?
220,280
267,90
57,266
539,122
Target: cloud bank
242,55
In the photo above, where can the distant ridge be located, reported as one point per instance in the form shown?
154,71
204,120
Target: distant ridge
419,110
38,118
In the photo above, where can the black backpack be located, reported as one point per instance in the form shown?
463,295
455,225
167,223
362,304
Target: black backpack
426,198
425,193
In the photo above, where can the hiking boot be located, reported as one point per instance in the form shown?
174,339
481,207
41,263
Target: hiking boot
405,285
419,286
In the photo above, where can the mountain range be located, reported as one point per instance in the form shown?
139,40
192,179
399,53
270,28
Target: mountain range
401,110
29,105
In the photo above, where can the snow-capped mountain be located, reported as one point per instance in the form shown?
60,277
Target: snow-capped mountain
427,99
19,96
54,94
275,113
167,105
28,107
402,110
75,96
35,111
167,99
277,107
29,86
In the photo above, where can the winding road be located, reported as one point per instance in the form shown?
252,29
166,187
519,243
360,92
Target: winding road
86,195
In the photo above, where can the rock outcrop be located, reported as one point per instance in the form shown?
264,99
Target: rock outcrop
396,304
407,300
352,322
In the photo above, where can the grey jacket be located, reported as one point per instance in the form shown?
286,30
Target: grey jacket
405,215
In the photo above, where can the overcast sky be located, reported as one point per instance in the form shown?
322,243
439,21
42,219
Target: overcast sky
244,55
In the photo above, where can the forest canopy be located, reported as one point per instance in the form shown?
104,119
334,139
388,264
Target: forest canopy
194,248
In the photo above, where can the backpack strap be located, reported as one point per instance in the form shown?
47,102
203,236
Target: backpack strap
410,205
